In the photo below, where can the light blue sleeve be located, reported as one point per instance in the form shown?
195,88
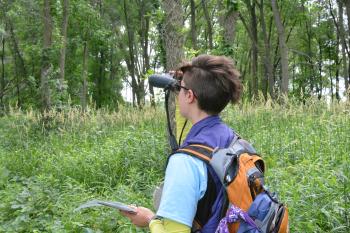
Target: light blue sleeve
184,184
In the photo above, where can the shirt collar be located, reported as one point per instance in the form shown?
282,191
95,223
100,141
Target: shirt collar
208,121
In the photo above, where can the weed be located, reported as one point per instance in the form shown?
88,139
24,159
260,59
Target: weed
48,169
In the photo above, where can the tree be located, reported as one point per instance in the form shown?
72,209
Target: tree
345,49
130,61
46,69
65,17
174,43
90,47
193,25
173,35
2,77
253,35
20,69
228,16
137,23
347,7
84,88
267,55
282,47
2,81
209,24
255,46
341,35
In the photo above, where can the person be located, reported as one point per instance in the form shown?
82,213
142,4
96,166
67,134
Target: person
192,195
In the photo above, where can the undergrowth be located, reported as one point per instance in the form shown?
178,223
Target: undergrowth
49,167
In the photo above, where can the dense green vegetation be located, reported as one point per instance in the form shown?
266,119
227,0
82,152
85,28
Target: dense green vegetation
75,59
48,169
58,53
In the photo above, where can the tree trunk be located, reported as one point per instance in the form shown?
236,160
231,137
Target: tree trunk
131,59
253,34
100,77
174,42
309,69
209,25
144,67
347,6
46,65
2,78
20,65
320,81
137,70
337,64
293,74
147,60
230,27
282,46
267,56
83,97
343,43
254,24
173,37
193,25
64,45
16,65
2,81
113,67
227,20
331,77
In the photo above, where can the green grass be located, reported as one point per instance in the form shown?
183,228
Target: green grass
47,169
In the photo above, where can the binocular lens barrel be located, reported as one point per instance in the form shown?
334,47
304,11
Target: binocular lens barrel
162,80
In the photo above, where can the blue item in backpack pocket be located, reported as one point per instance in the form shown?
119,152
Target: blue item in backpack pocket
261,211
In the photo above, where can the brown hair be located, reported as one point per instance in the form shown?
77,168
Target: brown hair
214,81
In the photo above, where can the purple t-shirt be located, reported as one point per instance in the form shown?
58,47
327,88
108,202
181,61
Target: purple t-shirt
210,131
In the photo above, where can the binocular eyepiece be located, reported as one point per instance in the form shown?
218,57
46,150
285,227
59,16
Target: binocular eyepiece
165,80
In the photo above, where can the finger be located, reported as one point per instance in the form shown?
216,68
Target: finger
126,213
134,207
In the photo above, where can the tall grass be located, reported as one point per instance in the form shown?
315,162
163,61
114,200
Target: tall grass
48,168
307,151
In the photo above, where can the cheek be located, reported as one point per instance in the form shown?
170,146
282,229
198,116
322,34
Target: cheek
181,106
183,112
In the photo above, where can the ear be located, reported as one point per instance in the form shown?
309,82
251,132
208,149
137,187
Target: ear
190,96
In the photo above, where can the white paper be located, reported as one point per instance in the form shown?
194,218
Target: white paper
113,204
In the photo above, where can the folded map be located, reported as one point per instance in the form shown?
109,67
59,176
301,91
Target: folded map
113,204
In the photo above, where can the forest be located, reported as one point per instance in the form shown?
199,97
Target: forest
56,54
79,120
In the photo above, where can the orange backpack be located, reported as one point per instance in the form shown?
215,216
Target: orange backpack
241,171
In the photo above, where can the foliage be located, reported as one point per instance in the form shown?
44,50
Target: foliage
46,172
97,155
124,40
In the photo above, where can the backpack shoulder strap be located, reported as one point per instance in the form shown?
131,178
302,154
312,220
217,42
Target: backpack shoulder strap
200,151
205,153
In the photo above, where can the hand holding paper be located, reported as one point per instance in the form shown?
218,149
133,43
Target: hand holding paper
141,218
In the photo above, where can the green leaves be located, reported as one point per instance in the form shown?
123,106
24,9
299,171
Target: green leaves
306,150
46,174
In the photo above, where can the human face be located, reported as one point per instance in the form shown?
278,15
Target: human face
181,85
178,87
185,99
